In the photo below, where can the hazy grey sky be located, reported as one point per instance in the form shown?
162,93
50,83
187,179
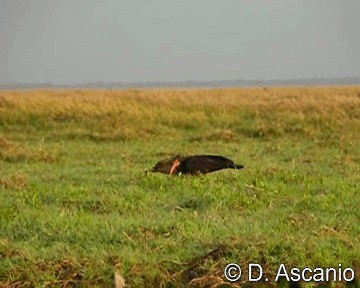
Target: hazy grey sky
71,42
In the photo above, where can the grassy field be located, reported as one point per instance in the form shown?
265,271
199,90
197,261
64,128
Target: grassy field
76,207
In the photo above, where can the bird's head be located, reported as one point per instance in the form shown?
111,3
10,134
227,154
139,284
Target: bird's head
174,166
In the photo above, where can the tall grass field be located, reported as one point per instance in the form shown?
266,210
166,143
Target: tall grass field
77,208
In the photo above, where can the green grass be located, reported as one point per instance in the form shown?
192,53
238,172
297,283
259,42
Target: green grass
76,205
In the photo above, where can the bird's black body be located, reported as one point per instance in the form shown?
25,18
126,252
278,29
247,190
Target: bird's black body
202,164
197,164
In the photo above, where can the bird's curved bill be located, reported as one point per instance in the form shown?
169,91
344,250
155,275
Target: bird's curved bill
174,166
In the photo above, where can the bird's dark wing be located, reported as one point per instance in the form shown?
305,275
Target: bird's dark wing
201,164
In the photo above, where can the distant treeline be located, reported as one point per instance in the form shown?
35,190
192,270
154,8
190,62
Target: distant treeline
205,84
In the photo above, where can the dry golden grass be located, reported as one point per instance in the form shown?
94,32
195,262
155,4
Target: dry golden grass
128,114
84,101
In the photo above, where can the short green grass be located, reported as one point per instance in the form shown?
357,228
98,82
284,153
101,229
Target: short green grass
76,205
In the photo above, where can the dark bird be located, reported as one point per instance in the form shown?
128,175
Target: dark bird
197,164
